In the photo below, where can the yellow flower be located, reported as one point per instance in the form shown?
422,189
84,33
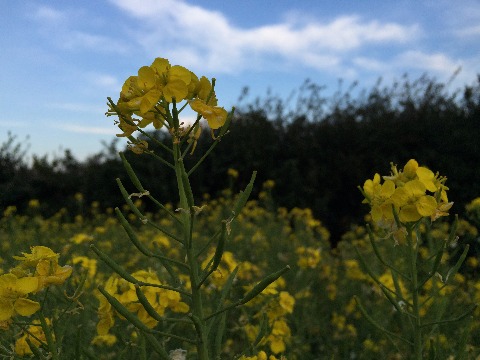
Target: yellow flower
107,339
412,201
215,116
415,192
50,273
81,238
286,301
37,253
34,203
35,335
44,262
13,296
308,257
86,263
124,292
378,196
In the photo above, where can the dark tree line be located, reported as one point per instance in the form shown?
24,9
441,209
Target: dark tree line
317,148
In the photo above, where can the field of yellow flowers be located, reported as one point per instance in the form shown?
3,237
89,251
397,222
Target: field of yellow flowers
308,313
233,277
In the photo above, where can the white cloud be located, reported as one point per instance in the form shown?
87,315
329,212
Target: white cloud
469,31
105,81
13,124
75,40
78,107
437,62
87,129
59,27
49,14
200,37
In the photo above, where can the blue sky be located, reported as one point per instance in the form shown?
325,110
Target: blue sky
60,59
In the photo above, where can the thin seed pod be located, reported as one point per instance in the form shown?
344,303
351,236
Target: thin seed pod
217,345
432,353
458,318
451,273
146,304
377,325
197,323
88,353
122,310
147,252
52,345
462,343
223,295
142,347
263,330
130,202
35,350
390,298
187,188
379,256
156,346
131,234
438,259
113,265
243,196
257,289
135,181
217,258
200,328
365,266
452,236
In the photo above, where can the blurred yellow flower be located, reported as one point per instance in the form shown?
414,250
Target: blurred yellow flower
35,335
13,296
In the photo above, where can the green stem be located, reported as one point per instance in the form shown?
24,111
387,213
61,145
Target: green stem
417,325
52,346
197,303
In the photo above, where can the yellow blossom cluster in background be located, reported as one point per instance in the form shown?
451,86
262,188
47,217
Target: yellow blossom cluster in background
308,313
413,192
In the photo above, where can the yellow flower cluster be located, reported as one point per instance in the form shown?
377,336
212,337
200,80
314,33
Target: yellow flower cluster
308,257
35,335
148,94
37,270
160,299
415,192
262,355
278,306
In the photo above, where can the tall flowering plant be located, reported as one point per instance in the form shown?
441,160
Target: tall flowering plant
156,97
403,207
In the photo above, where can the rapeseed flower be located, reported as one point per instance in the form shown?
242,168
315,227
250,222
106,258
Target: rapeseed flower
42,263
35,335
144,98
414,192
13,296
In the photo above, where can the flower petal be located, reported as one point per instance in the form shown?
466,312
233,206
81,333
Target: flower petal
26,307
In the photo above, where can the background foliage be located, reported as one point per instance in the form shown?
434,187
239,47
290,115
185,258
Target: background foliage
317,148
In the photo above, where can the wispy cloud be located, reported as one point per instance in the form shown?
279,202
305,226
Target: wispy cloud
49,14
61,29
436,62
469,31
78,40
212,41
87,129
105,81
78,107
